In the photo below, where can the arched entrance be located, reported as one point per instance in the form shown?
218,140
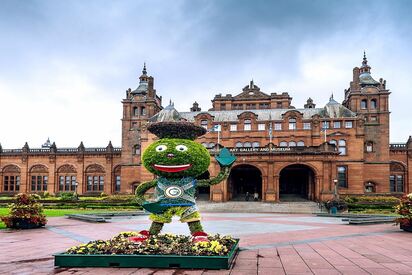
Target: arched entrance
244,179
203,193
296,182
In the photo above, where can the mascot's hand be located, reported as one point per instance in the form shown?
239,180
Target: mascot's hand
225,158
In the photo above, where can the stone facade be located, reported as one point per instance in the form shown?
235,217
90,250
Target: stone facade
282,152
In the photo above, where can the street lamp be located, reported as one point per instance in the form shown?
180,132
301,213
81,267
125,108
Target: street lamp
335,190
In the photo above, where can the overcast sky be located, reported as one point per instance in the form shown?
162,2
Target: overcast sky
65,65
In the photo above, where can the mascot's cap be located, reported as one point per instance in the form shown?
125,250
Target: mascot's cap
168,124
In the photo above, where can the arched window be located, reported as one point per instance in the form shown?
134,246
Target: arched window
95,178
135,111
247,144
142,111
136,149
66,175
11,178
205,144
364,104
39,175
292,144
117,179
301,143
334,142
373,104
247,125
397,177
292,123
255,144
342,146
203,123
283,144
211,145
369,146
342,176
239,145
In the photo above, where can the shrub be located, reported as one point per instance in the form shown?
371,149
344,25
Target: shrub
103,194
68,196
25,213
340,205
404,208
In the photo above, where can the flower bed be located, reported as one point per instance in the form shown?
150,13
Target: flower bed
404,208
165,250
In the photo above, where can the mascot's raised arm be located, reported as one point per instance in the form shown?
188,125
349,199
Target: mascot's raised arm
177,160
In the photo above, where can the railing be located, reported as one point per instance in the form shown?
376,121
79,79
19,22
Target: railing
43,151
397,146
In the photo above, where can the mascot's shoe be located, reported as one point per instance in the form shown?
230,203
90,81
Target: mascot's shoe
143,235
199,236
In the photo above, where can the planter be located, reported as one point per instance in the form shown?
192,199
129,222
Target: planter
24,224
406,228
147,261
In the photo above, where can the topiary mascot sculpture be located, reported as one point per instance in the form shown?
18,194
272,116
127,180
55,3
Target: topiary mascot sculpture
177,160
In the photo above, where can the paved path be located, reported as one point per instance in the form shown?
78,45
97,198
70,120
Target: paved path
270,243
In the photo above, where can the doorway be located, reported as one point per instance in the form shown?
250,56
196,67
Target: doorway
296,183
244,181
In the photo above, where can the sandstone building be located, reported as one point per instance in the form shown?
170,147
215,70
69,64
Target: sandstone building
282,151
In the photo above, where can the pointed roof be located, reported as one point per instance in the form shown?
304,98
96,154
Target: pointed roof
168,114
143,83
334,109
365,77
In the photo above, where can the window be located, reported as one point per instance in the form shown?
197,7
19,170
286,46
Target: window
136,149
292,123
301,143
261,127
247,145
239,145
364,104
292,144
67,183
39,183
283,144
342,146
95,183
278,126
255,144
203,123
117,184
38,178
397,177
212,145
373,104
223,106
348,124
334,142
342,176
369,146
370,187
205,144
374,118
135,111
279,105
67,178
264,106
336,124
306,126
325,124
251,106
11,178
233,127
142,111
247,125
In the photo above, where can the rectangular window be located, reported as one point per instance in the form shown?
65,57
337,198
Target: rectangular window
279,105
61,183
336,124
6,183
392,185
117,185
342,176
261,127
95,183
278,126
45,181
222,106
247,125
325,124
399,183
348,124
233,127
292,124
203,123
39,183
306,126
101,183
89,183
374,118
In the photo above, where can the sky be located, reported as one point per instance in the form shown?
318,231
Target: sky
65,65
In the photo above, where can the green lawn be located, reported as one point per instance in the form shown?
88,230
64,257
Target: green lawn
60,212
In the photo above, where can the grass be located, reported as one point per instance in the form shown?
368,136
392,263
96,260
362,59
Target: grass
61,212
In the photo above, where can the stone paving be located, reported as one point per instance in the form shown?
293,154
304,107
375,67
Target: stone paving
270,244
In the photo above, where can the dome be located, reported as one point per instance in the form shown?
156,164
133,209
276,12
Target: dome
366,79
168,114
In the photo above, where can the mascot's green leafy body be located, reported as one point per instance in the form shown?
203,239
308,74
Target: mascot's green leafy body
177,160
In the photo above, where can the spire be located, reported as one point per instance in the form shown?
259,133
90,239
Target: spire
144,72
365,60
331,97
365,68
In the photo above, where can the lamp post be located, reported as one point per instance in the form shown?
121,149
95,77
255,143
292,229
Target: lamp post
335,190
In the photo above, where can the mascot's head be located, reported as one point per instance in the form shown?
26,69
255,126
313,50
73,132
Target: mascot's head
175,154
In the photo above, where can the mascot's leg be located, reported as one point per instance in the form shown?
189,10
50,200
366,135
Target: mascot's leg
155,228
191,216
